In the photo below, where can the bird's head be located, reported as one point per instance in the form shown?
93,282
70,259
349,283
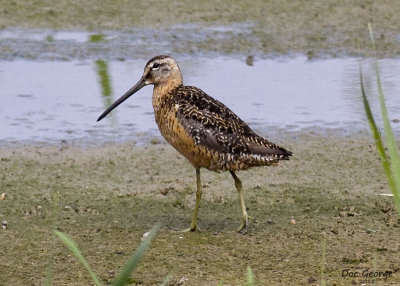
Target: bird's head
160,71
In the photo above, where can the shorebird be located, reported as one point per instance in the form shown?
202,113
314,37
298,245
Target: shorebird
202,129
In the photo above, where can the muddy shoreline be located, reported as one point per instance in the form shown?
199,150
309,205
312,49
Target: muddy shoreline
107,196
257,28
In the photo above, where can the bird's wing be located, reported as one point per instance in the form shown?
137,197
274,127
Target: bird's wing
215,126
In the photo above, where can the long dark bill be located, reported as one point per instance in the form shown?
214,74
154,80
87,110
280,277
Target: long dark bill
141,83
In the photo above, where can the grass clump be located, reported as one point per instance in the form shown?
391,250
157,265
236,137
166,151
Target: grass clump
123,277
391,159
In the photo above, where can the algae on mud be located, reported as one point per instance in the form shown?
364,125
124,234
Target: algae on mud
110,195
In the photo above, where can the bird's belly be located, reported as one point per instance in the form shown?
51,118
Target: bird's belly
174,133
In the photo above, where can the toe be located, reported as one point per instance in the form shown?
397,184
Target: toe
191,229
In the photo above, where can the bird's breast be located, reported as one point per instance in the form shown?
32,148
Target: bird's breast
175,134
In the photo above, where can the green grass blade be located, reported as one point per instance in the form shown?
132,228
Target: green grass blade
390,139
392,147
375,132
371,35
250,277
133,261
71,244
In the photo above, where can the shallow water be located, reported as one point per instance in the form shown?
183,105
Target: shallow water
54,100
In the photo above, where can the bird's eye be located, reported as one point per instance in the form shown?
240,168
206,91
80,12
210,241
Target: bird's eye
155,66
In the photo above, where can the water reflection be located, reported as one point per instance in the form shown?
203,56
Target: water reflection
105,83
97,38
52,101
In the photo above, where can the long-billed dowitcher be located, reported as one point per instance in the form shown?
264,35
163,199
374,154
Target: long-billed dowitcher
202,129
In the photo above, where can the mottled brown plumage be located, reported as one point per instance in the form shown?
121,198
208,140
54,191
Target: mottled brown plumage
203,129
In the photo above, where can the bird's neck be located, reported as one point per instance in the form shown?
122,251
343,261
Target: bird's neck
161,93
163,88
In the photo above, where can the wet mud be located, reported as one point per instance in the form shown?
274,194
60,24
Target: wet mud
107,197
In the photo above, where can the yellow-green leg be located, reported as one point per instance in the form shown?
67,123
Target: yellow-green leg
245,224
193,225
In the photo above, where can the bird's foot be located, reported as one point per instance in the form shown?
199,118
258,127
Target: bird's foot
244,225
192,228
